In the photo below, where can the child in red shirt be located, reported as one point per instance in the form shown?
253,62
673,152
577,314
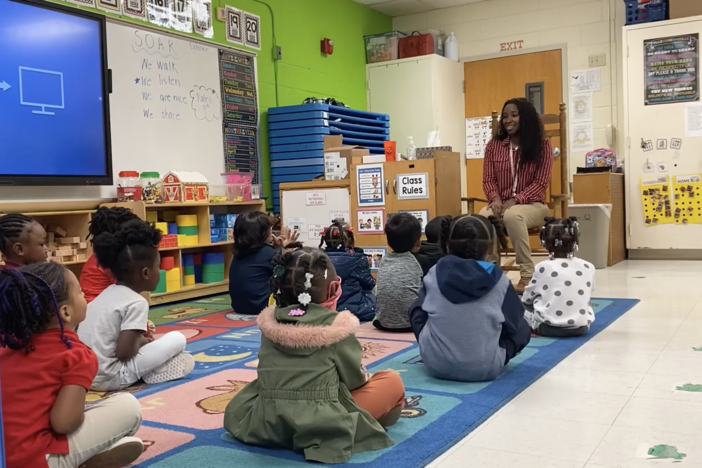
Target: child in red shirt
45,373
93,278
22,241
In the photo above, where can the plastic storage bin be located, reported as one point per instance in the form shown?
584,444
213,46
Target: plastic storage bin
237,186
383,47
128,186
645,11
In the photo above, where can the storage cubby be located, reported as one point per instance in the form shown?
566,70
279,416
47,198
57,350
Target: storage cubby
202,211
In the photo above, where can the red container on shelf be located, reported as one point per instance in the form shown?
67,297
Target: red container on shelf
129,186
168,240
167,263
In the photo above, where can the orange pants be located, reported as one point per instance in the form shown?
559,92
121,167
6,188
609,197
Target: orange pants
381,394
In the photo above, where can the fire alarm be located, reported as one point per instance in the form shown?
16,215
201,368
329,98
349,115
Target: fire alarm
327,46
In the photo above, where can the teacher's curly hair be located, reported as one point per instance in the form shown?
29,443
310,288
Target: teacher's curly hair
531,129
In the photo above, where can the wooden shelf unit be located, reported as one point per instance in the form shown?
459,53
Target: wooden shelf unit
202,211
74,221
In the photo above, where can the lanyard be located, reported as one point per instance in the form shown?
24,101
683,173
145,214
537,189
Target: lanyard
514,174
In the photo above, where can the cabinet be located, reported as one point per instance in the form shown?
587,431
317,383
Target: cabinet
421,94
605,188
444,184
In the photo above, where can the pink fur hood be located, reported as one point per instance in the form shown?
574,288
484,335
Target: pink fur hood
301,336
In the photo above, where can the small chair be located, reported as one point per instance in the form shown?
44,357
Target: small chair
557,190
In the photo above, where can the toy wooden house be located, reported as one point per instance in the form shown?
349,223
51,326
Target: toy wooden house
185,187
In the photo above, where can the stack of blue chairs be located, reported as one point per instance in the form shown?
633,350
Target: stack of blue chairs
296,139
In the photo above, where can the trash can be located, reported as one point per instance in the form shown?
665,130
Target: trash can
593,221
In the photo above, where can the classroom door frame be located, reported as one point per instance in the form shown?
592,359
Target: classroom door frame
565,84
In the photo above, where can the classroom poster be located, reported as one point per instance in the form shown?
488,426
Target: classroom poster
478,133
671,69
340,215
113,6
370,185
202,18
134,9
252,33
370,221
656,200
375,256
687,195
413,186
181,15
234,32
421,215
158,12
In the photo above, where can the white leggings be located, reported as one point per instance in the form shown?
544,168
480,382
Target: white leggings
149,357
105,423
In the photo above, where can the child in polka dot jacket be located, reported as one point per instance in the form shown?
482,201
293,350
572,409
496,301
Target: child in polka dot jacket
557,299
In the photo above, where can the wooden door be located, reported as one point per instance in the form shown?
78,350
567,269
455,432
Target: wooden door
489,83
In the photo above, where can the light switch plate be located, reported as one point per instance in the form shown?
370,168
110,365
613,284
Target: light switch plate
599,60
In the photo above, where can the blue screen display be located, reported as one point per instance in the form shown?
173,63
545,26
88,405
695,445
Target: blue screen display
51,88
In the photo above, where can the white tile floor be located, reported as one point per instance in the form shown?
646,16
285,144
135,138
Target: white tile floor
613,399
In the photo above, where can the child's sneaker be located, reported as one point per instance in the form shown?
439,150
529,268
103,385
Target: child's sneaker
175,369
122,453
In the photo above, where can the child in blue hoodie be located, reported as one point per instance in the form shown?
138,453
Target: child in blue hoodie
468,320
352,267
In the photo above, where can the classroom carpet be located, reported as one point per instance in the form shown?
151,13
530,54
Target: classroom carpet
183,419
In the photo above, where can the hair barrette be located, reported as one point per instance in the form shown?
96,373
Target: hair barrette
308,280
304,298
278,271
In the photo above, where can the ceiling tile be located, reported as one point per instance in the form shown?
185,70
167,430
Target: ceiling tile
400,7
448,3
372,2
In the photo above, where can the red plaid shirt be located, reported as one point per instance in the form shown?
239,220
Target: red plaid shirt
532,177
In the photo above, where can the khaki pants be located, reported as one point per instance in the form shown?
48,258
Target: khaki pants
105,423
518,220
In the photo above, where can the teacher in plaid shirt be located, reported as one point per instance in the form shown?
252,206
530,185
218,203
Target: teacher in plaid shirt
516,172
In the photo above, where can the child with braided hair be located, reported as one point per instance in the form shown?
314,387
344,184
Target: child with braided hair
351,265
116,324
312,394
557,298
94,279
46,372
22,240
468,320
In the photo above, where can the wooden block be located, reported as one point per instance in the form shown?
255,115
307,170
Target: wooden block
60,232
80,257
69,240
55,259
50,237
83,245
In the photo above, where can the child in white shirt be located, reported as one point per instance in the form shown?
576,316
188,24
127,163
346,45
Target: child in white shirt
557,299
115,327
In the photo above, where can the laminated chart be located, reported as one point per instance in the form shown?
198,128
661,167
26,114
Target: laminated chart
686,199
656,199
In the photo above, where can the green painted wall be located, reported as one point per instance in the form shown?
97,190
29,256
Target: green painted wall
304,71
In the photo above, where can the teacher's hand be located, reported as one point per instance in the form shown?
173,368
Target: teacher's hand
496,207
508,204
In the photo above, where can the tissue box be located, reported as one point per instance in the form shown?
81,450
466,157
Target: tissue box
428,153
222,220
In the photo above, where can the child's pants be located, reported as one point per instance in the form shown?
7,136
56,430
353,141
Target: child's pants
105,423
149,357
381,394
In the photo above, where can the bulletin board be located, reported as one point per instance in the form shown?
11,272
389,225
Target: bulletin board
312,206
687,197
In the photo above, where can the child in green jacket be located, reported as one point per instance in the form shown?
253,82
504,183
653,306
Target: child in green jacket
312,393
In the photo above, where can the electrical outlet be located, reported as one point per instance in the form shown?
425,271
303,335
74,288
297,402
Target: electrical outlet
599,60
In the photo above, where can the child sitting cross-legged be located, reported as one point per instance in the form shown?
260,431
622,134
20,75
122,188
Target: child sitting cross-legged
352,267
558,297
94,279
431,248
46,373
312,394
400,274
468,320
22,241
116,324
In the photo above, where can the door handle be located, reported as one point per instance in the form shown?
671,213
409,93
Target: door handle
387,189
394,186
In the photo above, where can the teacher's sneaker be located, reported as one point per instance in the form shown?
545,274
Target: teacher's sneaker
176,368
